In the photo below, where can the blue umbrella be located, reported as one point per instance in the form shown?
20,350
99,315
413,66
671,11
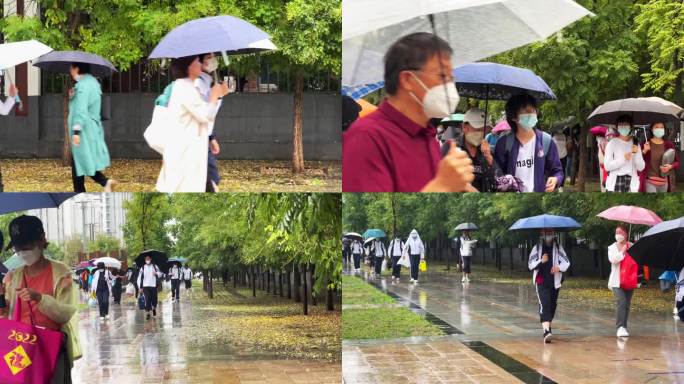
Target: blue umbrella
13,202
546,221
374,233
493,81
60,62
226,34
362,90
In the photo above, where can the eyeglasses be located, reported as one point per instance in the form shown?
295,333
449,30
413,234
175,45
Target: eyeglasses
447,78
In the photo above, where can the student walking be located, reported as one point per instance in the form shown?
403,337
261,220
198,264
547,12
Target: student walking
415,250
395,249
187,278
380,252
102,287
357,250
148,277
619,279
175,276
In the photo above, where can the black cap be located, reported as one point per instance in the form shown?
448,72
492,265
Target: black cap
25,230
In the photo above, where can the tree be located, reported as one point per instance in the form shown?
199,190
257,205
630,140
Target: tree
105,244
145,227
72,247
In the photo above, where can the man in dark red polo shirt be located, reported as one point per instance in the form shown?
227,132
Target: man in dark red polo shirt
394,149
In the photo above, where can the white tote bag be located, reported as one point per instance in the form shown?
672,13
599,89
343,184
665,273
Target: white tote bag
157,132
405,261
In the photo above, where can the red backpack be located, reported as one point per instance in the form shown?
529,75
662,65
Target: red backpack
628,272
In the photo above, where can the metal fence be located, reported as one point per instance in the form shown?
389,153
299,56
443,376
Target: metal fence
148,77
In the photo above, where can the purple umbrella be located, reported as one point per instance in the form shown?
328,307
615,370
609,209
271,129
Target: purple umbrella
60,62
226,34
85,264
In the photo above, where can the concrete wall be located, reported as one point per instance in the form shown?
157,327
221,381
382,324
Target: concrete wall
249,126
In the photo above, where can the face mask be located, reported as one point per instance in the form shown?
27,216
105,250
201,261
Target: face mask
212,65
474,138
527,120
659,132
548,238
148,261
414,236
29,257
624,130
619,238
439,101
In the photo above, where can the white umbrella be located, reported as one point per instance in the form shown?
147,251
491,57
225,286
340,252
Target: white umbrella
109,262
12,54
475,29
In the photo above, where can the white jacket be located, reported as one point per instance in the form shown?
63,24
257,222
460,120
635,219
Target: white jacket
109,278
679,288
615,164
6,106
356,247
558,258
615,257
395,248
151,273
414,246
379,248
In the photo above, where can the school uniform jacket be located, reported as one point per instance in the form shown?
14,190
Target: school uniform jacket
558,258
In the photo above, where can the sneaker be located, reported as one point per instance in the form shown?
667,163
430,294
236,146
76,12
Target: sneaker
411,281
467,279
547,336
106,317
102,318
622,332
109,187
415,281
148,316
463,279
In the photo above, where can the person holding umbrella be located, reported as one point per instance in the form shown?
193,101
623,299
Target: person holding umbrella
623,159
46,286
102,288
148,277
394,149
184,167
657,177
548,261
466,245
395,249
415,250
528,153
617,252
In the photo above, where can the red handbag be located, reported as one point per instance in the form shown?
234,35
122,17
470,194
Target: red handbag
628,273
28,353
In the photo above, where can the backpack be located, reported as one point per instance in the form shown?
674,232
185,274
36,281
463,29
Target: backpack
628,273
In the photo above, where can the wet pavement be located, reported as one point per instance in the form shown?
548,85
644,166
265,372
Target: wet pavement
129,349
500,322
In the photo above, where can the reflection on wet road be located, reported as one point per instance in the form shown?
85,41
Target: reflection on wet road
500,322
129,349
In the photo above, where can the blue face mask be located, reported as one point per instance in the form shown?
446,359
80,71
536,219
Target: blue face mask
527,120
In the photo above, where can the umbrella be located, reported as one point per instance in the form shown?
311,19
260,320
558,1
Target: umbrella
368,240
466,227
643,110
630,214
565,123
559,223
501,126
599,130
177,260
109,262
661,246
362,90
353,235
374,233
158,257
60,62
12,54
226,34
13,202
78,271
366,107
85,264
475,29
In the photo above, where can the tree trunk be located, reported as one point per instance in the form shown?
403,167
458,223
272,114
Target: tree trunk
582,173
211,285
297,145
268,281
312,281
253,282
289,285
329,299
679,81
305,292
297,284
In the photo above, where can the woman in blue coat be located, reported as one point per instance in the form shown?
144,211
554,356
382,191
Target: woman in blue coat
90,155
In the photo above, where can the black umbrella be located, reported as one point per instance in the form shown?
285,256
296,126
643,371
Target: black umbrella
60,62
661,246
158,257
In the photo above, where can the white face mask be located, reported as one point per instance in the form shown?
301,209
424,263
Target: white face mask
474,138
659,132
439,101
414,236
30,256
619,238
148,261
212,65
548,238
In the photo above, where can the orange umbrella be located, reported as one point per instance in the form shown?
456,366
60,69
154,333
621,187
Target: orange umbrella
366,107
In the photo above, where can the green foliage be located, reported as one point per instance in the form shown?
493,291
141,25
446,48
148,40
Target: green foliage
4,227
105,244
72,247
146,223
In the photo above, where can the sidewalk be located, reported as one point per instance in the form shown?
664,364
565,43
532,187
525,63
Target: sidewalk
504,317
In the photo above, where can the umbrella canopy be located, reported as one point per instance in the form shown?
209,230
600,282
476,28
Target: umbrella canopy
466,227
85,264
366,107
374,233
368,240
353,235
493,81
78,271
158,257
661,246
362,90
630,214
559,223
501,126
13,202
177,260
643,110
109,262
12,54
599,130
60,62
213,34
475,29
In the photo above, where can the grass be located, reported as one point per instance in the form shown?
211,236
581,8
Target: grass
134,175
582,292
385,321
